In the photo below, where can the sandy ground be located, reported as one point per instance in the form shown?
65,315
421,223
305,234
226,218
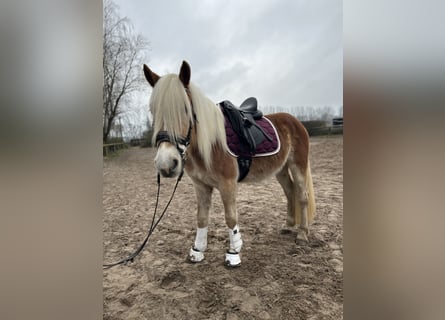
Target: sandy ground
278,279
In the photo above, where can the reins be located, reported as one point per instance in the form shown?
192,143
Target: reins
152,226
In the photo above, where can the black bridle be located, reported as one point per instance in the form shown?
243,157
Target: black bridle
180,142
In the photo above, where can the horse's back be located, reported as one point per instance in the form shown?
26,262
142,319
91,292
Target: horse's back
287,123
294,135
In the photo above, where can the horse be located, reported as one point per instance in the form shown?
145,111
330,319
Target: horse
189,133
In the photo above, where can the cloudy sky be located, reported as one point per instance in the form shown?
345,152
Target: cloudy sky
284,52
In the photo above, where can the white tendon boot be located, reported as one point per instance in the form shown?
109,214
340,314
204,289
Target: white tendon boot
232,255
197,251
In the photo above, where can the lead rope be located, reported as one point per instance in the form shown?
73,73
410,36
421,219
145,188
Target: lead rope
152,226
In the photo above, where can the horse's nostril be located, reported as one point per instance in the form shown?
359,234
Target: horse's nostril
175,163
165,173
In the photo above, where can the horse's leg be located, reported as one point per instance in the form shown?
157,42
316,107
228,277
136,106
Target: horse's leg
287,184
301,204
228,196
204,197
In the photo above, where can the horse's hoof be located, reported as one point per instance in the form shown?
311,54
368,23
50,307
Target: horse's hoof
301,237
233,260
196,256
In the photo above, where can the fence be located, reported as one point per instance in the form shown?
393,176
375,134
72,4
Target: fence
140,142
113,147
326,130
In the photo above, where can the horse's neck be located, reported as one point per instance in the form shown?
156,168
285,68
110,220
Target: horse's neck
193,153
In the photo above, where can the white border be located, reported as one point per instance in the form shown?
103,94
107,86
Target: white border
264,154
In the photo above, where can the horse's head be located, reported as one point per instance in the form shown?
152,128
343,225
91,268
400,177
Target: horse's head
172,111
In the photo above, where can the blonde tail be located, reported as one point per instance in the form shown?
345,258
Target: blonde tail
310,199
311,196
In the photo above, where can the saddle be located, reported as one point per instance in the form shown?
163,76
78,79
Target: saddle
243,122
250,106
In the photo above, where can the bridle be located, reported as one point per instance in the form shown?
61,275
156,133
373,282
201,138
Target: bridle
180,142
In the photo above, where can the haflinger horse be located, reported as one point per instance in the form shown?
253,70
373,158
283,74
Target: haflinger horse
189,132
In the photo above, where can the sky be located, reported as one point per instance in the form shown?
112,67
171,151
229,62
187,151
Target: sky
284,52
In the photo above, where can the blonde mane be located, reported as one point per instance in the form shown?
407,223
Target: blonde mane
172,112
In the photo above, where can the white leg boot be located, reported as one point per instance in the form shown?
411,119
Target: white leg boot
232,255
197,251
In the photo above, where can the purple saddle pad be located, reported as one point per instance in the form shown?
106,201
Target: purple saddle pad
265,148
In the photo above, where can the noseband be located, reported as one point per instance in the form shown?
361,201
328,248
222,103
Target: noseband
180,142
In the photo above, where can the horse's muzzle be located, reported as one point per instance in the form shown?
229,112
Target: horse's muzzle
167,173
170,171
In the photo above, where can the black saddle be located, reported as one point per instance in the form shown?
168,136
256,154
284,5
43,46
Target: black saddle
250,106
243,123
250,134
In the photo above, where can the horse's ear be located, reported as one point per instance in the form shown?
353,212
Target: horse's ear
151,77
185,73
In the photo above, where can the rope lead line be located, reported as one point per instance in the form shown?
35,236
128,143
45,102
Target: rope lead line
152,226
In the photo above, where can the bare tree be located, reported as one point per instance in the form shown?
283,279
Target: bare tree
123,54
340,111
133,125
306,113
